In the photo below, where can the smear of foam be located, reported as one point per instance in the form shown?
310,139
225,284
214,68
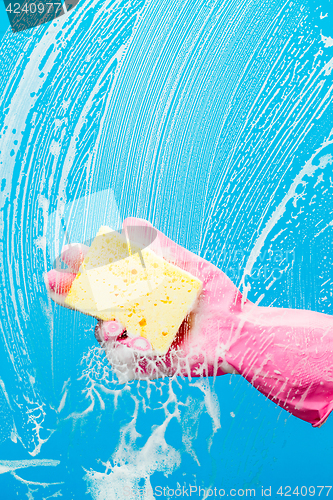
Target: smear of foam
212,405
130,475
11,465
308,170
190,424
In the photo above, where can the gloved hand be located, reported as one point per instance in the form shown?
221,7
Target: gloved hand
286,354
193,353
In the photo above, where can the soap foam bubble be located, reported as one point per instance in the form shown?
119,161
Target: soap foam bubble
128,473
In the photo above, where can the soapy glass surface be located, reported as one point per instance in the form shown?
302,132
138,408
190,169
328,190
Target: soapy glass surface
203,131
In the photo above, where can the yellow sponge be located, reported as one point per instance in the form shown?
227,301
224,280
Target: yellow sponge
147,295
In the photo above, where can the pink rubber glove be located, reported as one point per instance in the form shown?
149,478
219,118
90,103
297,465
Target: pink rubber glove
286,354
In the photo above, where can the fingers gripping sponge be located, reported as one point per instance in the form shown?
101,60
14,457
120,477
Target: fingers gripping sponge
146,294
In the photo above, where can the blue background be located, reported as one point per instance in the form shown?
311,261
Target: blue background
4,23
213,121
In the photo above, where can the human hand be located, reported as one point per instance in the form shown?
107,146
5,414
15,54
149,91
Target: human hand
198,348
